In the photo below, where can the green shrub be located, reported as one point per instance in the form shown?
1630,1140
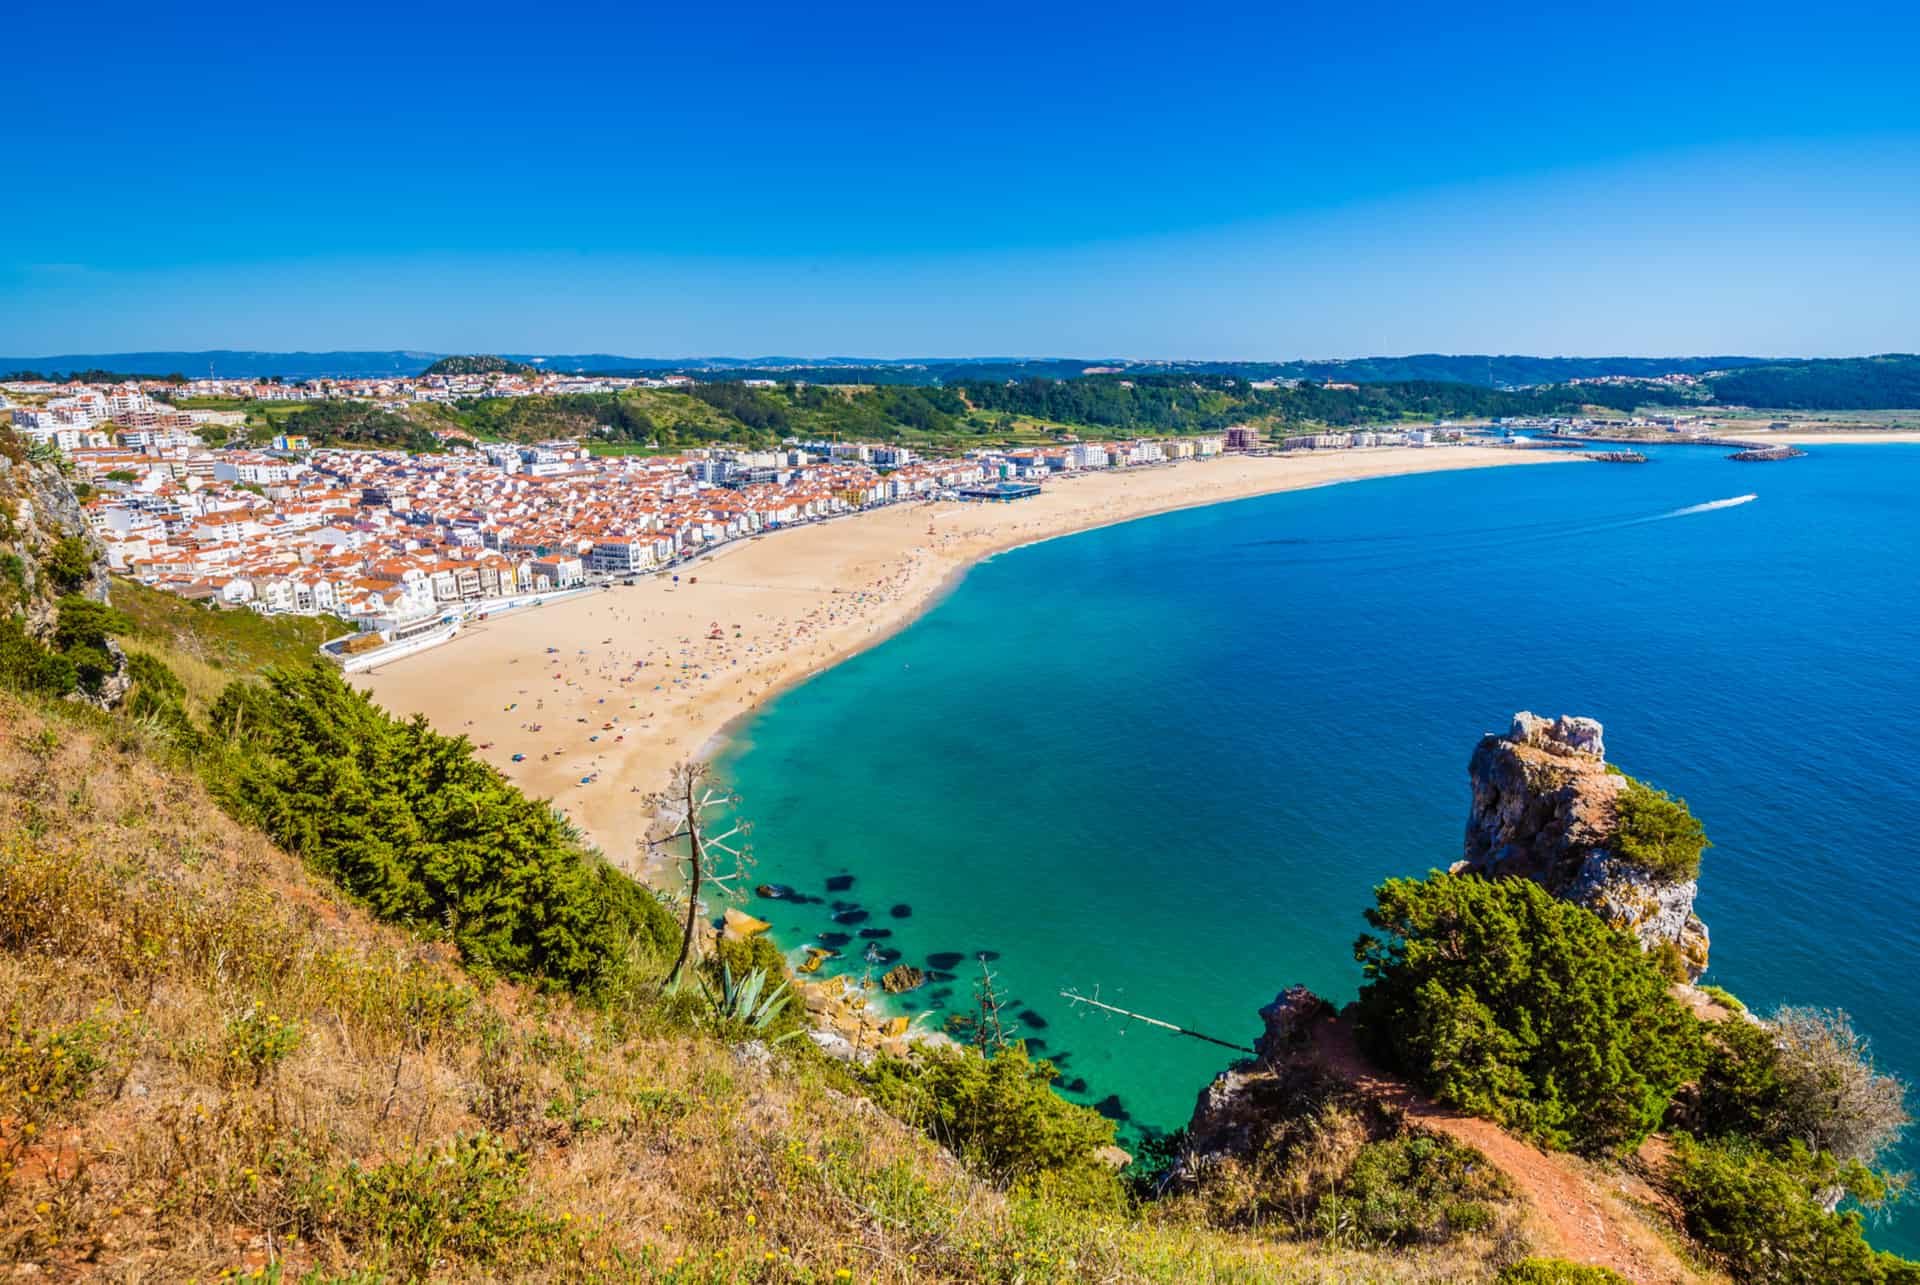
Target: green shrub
45,1069
1655,831
1556,1271
1502,1000
1724,998
92,667
13,569
465,1199
1762,1214
1000,1114
257,1042
746,954
82,622
424,833
26,666
69,563
1415,1189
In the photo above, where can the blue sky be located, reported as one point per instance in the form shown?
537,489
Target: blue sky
1193,180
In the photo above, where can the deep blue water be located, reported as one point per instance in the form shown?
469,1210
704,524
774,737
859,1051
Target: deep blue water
1170,759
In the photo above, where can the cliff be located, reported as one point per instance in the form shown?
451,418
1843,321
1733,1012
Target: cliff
47,550
1546,807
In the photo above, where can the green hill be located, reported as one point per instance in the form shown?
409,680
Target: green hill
1888,382
479,364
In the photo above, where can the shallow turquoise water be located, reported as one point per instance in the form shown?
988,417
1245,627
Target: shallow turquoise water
1168,760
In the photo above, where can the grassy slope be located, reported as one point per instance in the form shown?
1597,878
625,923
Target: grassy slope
209,647
139,929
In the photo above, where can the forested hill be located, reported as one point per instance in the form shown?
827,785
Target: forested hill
479,365
1886,382
974,413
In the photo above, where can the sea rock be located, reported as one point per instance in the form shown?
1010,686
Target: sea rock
1544,808
902,978
740,925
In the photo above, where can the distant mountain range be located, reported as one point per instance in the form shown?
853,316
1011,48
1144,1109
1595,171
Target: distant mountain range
1492,371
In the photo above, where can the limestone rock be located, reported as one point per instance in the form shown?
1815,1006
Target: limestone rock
740,925
1544,808
1568,734
902,978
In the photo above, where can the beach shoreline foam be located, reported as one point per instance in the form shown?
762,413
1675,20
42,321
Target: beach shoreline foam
602,694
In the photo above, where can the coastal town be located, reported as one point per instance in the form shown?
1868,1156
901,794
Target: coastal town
406,546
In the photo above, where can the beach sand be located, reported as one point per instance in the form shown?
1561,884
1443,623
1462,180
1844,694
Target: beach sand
1854,437
634,682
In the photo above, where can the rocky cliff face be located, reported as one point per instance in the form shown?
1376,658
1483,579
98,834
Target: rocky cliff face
37,509
1544,809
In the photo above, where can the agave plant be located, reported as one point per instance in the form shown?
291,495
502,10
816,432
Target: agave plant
746,1006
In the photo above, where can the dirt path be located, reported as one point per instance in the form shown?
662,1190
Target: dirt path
1580,1216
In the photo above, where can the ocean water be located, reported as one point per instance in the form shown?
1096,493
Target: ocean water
1166,762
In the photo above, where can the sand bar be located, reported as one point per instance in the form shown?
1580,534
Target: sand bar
636,681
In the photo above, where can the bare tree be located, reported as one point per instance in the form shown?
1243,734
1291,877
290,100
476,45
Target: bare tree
1833,1098
692,794
989,1034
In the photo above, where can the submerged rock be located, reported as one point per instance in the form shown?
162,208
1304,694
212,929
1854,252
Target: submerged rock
902,911
839,883
774,892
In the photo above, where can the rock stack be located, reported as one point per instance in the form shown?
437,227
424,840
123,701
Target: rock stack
1544,809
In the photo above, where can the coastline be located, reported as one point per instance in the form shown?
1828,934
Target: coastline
636,681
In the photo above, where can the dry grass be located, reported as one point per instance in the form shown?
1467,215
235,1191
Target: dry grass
212,1063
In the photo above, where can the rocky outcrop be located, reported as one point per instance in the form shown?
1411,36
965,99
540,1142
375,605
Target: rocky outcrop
37,510
847,1026
1234,1111
1544,808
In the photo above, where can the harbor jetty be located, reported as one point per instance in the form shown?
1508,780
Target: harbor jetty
1617,457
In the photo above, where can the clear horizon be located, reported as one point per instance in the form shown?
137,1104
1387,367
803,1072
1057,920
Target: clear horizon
1241,185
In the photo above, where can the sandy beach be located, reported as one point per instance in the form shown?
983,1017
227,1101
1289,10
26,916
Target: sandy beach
1855,437
602,694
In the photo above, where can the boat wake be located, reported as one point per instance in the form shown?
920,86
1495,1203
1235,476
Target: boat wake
1708,507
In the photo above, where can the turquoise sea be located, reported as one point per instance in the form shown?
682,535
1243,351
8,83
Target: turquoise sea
1167,761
